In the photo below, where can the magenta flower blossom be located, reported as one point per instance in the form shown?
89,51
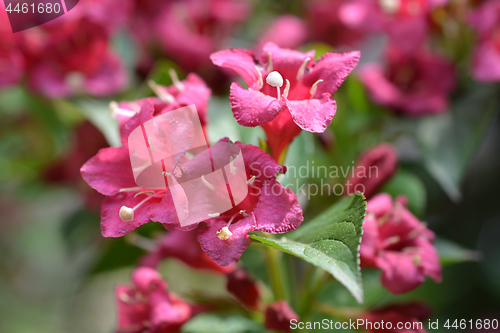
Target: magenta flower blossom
110,173
399,313
399,244
74,58
411,83
278,316
148,306
269,207
486,57
374,167
287,90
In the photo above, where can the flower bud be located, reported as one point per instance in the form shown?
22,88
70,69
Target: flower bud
241,286
278,316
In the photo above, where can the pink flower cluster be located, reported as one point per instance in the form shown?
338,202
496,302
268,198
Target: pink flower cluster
225,237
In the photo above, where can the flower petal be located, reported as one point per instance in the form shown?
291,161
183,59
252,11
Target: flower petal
157,210
252,108
313,115
144,115
226,252
260,164
332,68
109,171
277,210
287,62
241,61
399,273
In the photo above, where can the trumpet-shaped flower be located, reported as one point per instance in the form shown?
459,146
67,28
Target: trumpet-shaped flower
287,90
399,244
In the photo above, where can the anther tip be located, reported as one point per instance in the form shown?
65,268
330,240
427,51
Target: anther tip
274,79
126,214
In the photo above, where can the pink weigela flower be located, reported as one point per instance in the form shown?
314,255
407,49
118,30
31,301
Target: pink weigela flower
411,83
486,57
148,306
395,241
269,207
287,90
73,56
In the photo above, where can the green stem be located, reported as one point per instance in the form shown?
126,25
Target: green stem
275,270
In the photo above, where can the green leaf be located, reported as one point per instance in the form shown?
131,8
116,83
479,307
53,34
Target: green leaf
331,242
205,323
448,141
451,253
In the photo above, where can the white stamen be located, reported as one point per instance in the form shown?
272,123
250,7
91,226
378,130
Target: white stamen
287,89
231,166
302,69
270,62
244,213
261,82
214,215
143,201
175,79
390,6
224,233
161,93
314,88
143,192
166,173
251,180
130,189
274,79
115,110
207,184
126,214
